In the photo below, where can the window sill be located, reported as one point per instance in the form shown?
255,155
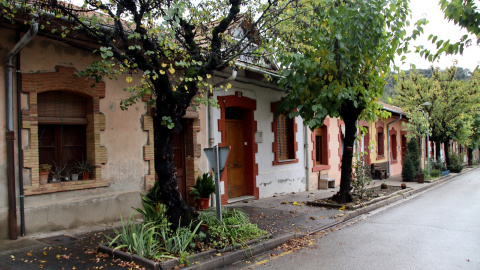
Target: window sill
285,161
380,157
317,168
394,161
64,186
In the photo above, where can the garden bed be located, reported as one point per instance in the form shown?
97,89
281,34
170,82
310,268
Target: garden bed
176,263
378,194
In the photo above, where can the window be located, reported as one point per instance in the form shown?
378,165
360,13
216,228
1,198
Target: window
284,137
284,145
61,128
393,144
380,142
321,150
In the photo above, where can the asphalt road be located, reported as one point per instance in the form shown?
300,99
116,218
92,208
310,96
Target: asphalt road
438,229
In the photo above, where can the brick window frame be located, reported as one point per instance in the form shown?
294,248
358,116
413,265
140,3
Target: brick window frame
63,79
366,141
380,137
289,138
325,151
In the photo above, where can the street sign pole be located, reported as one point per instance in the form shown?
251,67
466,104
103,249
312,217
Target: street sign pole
217,157
216,171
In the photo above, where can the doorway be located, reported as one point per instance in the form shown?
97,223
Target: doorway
235,138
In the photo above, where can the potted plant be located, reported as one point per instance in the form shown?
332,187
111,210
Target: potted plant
44,172
84,167
67,173
57,173
202,190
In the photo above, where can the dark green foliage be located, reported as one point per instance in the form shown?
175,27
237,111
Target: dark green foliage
455,162
435,173
408,170
437,165
203,187
411,163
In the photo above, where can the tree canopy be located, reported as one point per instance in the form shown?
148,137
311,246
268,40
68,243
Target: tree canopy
465,14
335,56
172,48
454,103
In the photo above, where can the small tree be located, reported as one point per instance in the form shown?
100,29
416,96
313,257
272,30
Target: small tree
411,163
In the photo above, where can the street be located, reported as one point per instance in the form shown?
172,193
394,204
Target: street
438,229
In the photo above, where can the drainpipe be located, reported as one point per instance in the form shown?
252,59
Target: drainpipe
307,160
19,148
10,133
388,141
210,138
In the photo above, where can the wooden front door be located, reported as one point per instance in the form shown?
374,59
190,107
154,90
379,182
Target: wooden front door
179,162
236,161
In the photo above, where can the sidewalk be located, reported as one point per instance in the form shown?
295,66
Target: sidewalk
284,217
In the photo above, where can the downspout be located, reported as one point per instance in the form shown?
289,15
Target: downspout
10,133
388,141
307,160
210,138
19,148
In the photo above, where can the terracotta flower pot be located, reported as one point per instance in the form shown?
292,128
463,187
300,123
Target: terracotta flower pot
43,177
403,185
85,175
203,203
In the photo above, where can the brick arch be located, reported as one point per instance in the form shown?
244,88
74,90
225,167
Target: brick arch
251,166
63,79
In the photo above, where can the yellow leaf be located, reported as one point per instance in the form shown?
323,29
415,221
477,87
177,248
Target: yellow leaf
43,261
322,216
209,76
171,69
330,78
341,209
129,79
29,254
162,72
294,203
44,253
199,78
164,65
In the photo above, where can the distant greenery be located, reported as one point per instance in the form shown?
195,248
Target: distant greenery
463,74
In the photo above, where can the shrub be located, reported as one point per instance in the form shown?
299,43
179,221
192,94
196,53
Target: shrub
456,161
408,170
411,163
435,173
361,177
437,165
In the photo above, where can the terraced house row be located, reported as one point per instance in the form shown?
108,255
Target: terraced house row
56,117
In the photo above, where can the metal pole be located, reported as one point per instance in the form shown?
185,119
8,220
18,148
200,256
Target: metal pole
428,148
216,171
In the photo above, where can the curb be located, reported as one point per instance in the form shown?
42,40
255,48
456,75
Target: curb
210,259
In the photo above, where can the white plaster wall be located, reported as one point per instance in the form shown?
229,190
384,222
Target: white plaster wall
271,180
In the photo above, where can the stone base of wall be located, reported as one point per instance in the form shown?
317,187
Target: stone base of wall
74,214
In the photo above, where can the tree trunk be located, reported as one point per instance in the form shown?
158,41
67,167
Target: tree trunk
438,155
470,156
350,116
447,154
178,212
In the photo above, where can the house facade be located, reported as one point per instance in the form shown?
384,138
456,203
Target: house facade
62,119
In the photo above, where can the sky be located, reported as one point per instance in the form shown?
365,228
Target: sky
445,30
